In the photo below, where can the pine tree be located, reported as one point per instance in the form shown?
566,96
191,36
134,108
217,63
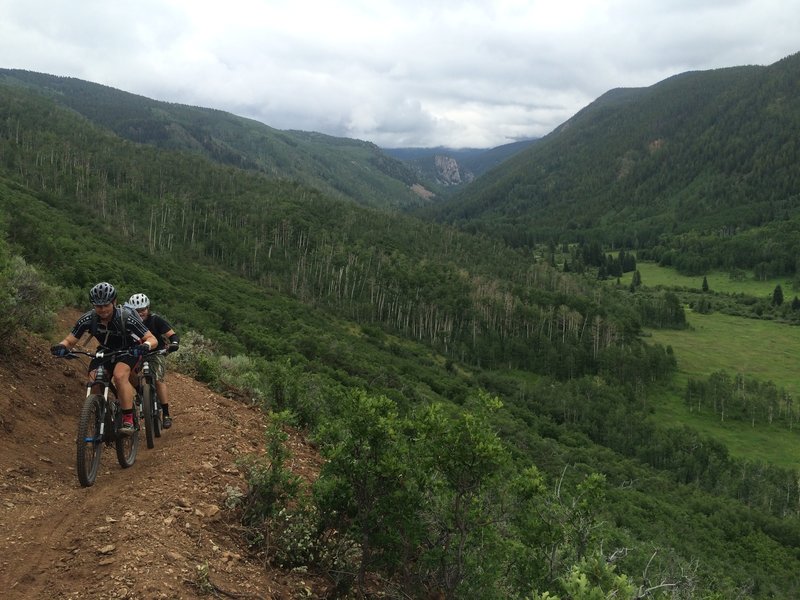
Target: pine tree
777,296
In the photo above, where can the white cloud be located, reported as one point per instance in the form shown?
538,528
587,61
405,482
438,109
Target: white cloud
396,72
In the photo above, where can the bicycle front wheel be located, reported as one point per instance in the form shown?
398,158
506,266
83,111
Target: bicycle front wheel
147,410
127,445
90,439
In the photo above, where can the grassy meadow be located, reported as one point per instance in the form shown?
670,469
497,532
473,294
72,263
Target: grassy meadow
718,281
757,349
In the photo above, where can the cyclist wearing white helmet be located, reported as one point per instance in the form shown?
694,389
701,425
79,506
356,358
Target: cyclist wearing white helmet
114,328
163,331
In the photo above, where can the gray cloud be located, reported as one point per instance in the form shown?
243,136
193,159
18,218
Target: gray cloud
395,72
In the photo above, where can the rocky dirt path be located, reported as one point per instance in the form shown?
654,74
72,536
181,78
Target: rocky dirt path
160,529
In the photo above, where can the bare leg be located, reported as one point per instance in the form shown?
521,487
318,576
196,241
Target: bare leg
122,382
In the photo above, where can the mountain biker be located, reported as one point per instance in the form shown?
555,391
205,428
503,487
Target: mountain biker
114,328
163,331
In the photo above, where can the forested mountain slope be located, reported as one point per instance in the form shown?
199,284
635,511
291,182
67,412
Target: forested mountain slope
710,154
429,281
340,167
390,340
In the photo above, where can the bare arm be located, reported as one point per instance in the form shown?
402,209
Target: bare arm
69,341
150,340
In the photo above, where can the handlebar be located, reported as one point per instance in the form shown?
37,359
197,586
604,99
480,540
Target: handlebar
157,352
110,353
96,354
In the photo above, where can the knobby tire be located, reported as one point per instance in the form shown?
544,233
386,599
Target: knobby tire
156,413
147,409
127,445
90,440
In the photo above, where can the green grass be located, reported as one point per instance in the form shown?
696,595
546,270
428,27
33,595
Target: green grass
718,281
757,349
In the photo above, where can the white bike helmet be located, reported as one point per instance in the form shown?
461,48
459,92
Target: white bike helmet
138,301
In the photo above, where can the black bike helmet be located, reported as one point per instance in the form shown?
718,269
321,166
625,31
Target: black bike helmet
103,293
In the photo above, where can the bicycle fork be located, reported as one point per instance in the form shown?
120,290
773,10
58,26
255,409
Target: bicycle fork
147,379
101,377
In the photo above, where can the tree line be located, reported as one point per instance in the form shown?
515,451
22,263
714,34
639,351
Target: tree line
741,399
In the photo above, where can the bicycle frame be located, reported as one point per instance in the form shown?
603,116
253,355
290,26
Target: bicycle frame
99,421
147,400
108,409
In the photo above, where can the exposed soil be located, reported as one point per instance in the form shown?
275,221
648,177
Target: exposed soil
160,529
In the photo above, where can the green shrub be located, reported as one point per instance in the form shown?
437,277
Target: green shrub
271,486
245,375
196,357
26,300
300,541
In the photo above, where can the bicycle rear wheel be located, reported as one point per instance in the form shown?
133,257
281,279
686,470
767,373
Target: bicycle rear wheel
127,445
147,411
90,440
156,413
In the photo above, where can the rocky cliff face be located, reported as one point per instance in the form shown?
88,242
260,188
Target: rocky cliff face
448,172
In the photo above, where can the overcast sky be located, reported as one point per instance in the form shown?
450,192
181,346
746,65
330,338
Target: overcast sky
394,72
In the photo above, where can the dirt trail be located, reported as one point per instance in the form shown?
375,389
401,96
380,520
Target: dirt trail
160,529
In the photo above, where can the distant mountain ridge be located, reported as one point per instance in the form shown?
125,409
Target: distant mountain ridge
703,152
454,167
343,167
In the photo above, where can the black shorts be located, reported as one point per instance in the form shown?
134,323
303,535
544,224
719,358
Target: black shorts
131,361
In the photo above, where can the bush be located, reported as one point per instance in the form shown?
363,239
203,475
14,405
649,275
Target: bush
242,374
26,300
271,486
299,542
196,357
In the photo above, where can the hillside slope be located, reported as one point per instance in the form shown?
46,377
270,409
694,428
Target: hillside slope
340,167
702,151
152,531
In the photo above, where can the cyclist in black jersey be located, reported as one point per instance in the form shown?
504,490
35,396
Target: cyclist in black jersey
163,332
114,328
